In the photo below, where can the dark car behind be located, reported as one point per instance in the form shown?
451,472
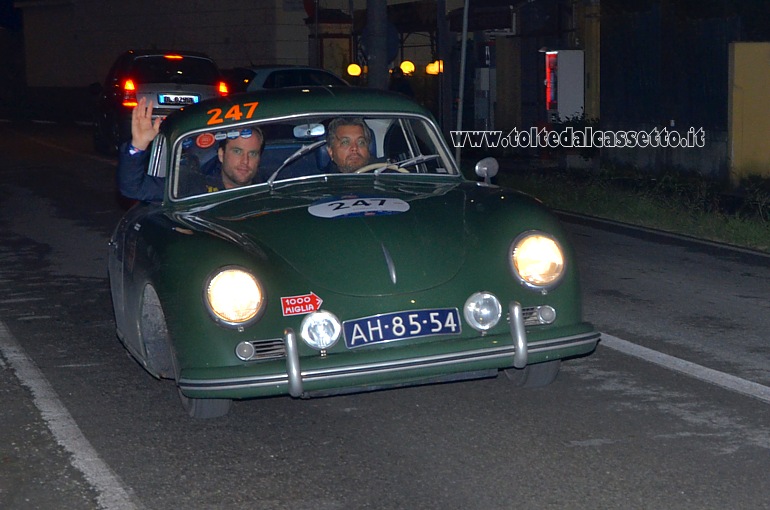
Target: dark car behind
248,79
170,79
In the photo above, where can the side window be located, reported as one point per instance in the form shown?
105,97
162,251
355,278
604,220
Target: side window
414,140
280,79
421,136
272,80
318,78
196,165
427,145
158,157
395,145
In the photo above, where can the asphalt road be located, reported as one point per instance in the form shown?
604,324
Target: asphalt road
671,411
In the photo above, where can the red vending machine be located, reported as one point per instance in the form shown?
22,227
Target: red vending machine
564,84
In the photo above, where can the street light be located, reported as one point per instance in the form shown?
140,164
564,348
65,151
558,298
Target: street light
435,67
354,70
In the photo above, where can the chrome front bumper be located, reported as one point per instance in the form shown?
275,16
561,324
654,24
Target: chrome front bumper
487,358
294,372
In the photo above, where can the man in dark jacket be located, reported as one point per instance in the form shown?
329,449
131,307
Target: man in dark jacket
238,159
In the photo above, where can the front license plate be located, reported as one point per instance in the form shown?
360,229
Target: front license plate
389,327
177,99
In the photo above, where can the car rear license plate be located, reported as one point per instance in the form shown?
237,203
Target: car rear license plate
389,327
177,99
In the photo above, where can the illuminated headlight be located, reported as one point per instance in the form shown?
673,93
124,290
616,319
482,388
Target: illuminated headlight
234,296
482,311
537,260
320,330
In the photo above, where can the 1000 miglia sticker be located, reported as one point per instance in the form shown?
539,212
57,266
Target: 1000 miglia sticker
357,206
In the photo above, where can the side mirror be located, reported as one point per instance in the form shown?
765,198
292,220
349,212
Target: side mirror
487,168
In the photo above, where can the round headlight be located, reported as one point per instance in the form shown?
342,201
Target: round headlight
482,311
234,296
537,260
320,330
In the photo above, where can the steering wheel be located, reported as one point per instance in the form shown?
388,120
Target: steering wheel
383,166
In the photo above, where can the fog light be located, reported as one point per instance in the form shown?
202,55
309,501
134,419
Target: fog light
320,330
546,314
482,311
245,351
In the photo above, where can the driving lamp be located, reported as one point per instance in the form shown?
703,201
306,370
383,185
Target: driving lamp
320,330
482,311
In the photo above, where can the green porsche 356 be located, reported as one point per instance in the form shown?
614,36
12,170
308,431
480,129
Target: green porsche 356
318,281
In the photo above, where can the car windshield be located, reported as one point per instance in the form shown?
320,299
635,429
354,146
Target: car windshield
161,69
302,148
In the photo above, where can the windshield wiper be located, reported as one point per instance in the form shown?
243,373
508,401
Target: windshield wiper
294,157
416,160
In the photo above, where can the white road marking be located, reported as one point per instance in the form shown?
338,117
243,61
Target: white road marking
699,372
111,495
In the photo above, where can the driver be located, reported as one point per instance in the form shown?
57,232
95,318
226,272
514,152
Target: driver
348,145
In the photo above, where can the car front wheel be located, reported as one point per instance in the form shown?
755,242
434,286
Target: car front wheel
205,408
534,376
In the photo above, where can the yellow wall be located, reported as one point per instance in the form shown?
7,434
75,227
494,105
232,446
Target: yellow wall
749,110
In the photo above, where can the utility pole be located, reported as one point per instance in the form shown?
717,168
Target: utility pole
461,99
377,27
442,54
317,40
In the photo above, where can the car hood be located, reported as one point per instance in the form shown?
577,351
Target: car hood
352,237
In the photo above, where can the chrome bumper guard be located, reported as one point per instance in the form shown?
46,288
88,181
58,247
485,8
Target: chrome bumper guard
519,335
292,363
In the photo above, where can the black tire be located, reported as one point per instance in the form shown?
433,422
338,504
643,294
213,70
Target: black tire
157,344
534,376
161,362
205,408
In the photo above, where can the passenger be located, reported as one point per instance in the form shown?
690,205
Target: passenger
238,159
347,143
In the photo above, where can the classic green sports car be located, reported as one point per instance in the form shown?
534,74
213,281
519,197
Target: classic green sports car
316,280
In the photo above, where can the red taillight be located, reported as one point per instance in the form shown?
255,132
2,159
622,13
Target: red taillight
173,57
129,93
223,88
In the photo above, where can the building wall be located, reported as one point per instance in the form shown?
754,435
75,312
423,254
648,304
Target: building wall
71,43
85,36
291,33
50,50
663,67
749,110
